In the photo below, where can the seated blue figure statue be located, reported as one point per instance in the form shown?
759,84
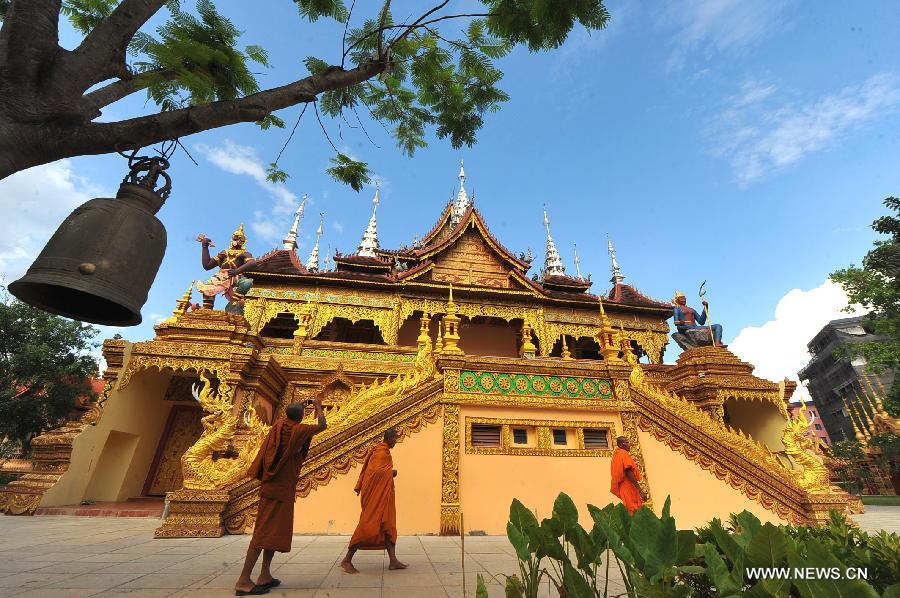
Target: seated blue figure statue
687,318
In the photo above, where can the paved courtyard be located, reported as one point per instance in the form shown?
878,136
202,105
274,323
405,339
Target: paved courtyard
90,556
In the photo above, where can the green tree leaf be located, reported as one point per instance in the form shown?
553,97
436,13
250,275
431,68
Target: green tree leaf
349,171
45,366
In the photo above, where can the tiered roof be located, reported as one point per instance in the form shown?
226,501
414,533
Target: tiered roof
427,263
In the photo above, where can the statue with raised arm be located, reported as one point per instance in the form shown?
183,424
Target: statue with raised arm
691,325
228,280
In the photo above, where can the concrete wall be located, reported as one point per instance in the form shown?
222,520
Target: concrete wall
760,420
488,483
110,461
335,509
697,495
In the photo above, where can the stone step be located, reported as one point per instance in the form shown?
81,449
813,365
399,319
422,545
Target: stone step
133,507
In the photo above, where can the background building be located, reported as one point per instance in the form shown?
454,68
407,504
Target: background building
817,429
847,397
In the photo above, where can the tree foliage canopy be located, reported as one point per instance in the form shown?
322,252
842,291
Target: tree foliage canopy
876,286
44,367
412,75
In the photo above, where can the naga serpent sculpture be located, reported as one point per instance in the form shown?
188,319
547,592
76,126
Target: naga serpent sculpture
814,476
200,470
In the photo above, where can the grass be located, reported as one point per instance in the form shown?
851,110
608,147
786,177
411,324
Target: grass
892,501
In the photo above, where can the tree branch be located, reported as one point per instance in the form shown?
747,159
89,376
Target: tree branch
105,46
123,88
27,144
380,30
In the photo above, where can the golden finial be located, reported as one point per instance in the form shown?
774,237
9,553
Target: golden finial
182,305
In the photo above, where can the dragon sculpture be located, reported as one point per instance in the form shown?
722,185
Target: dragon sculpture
814,476
200,470
369,400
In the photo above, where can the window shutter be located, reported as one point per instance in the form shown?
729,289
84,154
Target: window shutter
485,436
520,436
596,439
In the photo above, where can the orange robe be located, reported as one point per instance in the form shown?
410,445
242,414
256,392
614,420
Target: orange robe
621,485
277,467
378,520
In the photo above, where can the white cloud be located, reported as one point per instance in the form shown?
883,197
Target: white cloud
337,226
778,347
243,160
39,199
761,137
719,26
752,92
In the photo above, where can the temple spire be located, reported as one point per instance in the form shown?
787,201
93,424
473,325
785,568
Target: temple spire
369,243
462,198
617,277
553,265
312,264
577,261
290,241
328,260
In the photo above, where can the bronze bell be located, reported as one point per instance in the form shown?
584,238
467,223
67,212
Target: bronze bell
99,264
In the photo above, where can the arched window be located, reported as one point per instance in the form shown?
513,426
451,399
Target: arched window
342,330
281,326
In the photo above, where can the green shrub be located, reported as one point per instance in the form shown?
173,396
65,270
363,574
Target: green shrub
655,559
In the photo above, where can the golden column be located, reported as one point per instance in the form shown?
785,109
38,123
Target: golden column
866,418
609,348
439,341
874,399
528,349
451,328
856,429
424,337
304,315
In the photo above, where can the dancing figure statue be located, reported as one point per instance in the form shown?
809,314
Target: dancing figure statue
691,325
228,280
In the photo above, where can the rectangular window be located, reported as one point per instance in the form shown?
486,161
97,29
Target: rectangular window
559,437
485,436
520,436
596,439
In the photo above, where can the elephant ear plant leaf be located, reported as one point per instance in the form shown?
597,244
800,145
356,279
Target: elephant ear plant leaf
657,560
524,534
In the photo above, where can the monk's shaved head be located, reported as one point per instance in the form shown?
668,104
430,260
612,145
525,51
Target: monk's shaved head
390,437
295,411
622,442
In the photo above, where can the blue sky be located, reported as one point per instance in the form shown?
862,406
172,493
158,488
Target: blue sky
745,143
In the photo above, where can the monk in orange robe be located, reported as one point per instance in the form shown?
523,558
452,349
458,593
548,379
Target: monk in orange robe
277,467
377,529
625,477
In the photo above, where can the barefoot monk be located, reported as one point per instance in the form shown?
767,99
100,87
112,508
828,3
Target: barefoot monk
625,477
377,529
277,467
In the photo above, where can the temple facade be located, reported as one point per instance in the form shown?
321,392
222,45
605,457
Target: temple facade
503,384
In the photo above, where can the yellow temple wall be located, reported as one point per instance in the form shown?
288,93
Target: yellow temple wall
334,508
697,495
760,420
488,483
110,461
